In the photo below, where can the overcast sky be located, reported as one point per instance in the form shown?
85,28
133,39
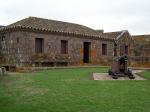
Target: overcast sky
110,15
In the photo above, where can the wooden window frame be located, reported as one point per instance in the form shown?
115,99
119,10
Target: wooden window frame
64,46
39,49
104,49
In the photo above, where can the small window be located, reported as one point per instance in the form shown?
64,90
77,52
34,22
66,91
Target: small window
39,45
17,39
126,50
122,50
64,47
3,38
104,49
115,49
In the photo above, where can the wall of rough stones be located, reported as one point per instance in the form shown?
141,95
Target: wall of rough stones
18,49
126,40
143,59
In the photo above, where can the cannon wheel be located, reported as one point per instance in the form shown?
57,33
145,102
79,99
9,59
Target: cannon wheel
114,76
110,72
130,74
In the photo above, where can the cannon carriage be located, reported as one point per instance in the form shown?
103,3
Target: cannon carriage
120,68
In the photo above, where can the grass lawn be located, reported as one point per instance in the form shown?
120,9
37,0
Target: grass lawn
72,90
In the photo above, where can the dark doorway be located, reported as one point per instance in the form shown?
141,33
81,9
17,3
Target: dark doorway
126,50
86,52
39,45
104,49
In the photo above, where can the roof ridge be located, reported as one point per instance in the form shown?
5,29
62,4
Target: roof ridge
18,22
113,32
123,31
141,35
59,21
48,25
117,31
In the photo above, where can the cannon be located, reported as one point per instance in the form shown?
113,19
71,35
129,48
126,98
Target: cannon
120,68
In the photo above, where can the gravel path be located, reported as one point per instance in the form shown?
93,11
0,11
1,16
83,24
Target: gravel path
105,76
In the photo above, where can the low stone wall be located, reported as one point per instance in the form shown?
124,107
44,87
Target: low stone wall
139,61
134,61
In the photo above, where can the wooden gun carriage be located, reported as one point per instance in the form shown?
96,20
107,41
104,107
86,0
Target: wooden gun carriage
120,68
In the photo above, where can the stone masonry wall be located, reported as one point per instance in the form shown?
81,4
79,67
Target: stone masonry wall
18,48
125,40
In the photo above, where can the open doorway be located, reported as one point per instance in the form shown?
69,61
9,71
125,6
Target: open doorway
126,50
86,52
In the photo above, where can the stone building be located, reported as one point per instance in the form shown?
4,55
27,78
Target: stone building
141,50
123,42
137,47
41,42
141,45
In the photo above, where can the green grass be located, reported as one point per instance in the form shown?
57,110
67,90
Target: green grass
72,90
